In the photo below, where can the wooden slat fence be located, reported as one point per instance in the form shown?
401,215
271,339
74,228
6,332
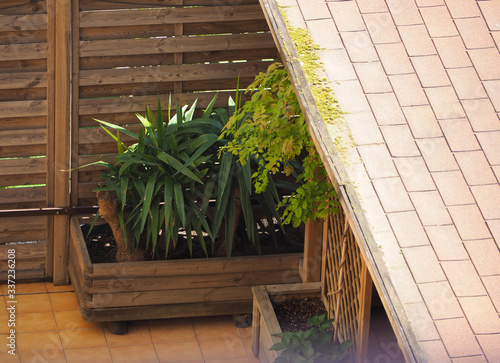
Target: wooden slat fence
65,62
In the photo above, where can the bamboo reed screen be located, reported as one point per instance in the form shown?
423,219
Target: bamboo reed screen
346,285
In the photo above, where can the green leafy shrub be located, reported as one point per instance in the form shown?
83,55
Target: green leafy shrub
311,346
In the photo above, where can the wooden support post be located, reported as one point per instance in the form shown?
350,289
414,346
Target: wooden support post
313,245
364,315
61,136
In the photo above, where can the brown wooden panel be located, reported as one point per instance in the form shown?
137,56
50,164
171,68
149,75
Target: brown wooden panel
22,150
23,80
27,179
11,224
24,251
174,45
22,7
114,4
131,89
10,95
23,37
16,123
127,32
247,26
15,198
22,166
22,137
22,22
24,65
10,52
22,109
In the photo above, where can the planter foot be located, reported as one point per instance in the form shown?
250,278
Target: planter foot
242,320
117,327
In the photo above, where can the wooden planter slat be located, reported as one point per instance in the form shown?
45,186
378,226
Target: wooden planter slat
167,289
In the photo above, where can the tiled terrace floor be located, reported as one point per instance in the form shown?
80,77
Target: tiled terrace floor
49,328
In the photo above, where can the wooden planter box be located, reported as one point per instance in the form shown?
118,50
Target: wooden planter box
264,321
171,288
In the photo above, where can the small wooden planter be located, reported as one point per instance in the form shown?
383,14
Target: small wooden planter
264,321
171,288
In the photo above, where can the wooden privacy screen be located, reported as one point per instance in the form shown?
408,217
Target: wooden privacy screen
65,62
346,284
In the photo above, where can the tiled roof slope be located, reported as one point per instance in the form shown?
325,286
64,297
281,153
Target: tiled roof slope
419,81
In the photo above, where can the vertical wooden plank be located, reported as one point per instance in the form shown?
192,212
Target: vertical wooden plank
313,245
364,314
62,137
255,327
178,57
75,89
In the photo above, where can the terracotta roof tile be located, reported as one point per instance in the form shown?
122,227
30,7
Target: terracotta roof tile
494,226
493,90
408,229
414,174
458,337
496,38
438,21
416,40
325,34
430,271
430,71
490,142
474,33
441,300
446,242
392,195
491,12
350,95
491,346
469,221
405,285
421,322
408,90
475,168
485,256
394,58
359,46
404,12
459,134
372,77
372,6
452,52
364,128
463,278
381,28
481,115
377,161
422,121
425,3
437,154
346,16
481,314
488,199
435,351
487,63
313,9
492,284
400,141
337,65
453,188
466,83
444,102
463,8
386,109
430,208
470,359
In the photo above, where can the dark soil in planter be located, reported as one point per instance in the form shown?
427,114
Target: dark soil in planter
292,313
101,245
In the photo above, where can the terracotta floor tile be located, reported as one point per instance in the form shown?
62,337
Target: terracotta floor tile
491,146
430,208
345,14
129,354
386,109
463,278
487,63
447,243
492,284
377,161
440,300
481,314
28,288
394,59
178,352
9,358
245,332
33,322
137,335
72,319
63,301
38,341
83,338
172,330
414,174
223,349
469,222
35,303
98,355
452,52
211,328
438,21
453,188
475,168
51,288
422,122
381,28
400,141
232,360
491,346
430,271
437,154
44,355
474,33
467,83
444,102
392,195
4,323
485,256
408,229
408,90
430,71
458,337
372,77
